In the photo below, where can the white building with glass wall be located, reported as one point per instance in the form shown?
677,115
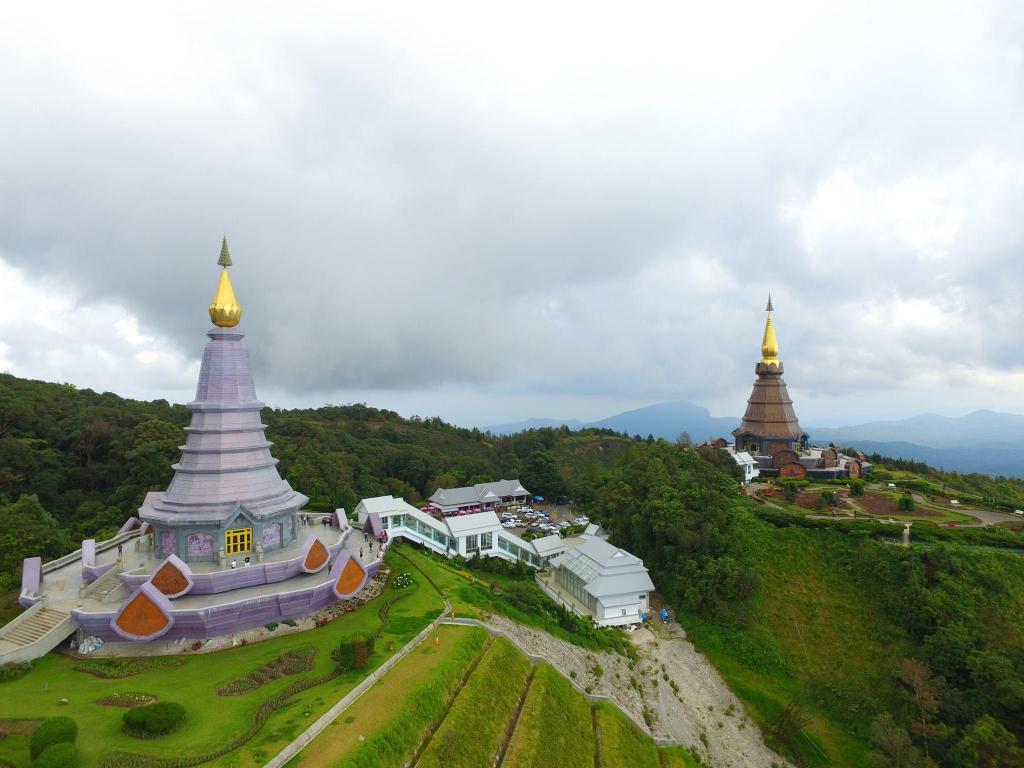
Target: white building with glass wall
584,573
599,580
467,535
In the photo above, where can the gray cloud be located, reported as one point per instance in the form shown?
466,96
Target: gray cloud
563,202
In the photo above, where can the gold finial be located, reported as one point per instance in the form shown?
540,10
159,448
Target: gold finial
224,309
769,344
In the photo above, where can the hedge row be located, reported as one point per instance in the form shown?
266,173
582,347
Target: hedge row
923,531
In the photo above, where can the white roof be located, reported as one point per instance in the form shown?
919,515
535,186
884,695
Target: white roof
546,545
383,505
742,457
606,570
467,525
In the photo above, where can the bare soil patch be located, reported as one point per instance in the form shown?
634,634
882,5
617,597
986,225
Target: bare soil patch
18,727
878,504
812,499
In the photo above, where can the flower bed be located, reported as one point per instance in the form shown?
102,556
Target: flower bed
289,663
129,699
113,669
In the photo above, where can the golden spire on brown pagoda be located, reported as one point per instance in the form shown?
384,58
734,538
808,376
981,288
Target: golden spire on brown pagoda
769,344
225,311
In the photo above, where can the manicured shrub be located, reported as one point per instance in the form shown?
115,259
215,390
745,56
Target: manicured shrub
61,755
856,487
354,653
53,730
154,719
362,647
790,490
906,503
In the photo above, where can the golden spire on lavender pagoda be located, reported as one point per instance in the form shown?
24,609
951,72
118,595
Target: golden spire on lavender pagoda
769,344
225,311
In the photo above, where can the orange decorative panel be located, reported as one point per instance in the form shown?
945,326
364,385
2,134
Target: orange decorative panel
793,470
142,617
170,580
316,557
351,578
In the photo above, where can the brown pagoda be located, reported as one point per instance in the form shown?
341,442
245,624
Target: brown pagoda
769,424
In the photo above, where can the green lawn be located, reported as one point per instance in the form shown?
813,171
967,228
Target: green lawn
376,708
555,727
212,720
620,744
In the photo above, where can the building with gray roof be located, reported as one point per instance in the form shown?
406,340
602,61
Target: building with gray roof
483,495
600,580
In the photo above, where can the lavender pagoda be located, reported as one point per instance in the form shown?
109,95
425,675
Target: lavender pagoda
227,496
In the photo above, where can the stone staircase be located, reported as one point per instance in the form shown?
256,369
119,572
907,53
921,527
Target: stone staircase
105,586
34,633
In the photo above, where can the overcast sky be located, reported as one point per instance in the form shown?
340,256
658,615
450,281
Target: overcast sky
555,210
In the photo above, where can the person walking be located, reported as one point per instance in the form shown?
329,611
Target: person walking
234,564
360,553
120,552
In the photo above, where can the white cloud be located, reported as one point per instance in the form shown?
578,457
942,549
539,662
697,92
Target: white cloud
558,201
49,334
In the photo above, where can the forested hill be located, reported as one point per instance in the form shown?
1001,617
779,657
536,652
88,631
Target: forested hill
89,458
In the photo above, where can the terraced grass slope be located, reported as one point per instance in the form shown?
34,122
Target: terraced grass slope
471,734
477,709
444,656
555,728
620,744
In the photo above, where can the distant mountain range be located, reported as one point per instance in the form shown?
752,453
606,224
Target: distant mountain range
982,441
667,420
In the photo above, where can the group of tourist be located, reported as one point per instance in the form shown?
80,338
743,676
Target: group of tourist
382,544
327,521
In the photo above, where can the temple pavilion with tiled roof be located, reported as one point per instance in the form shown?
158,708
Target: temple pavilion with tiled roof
769,423
771,433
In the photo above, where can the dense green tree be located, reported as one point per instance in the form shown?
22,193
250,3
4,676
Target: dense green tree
541,475
988,744
25,527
